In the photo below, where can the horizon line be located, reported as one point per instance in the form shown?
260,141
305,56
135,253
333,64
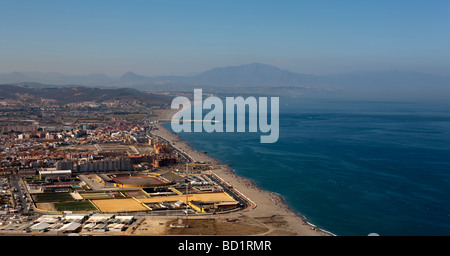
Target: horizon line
228,66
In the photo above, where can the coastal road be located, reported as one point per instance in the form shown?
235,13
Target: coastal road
244,203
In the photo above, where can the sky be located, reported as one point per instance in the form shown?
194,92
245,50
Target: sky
186,37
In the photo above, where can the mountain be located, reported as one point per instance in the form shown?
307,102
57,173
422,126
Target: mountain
54,78
131,78
65,95
248,77
255,74
14,77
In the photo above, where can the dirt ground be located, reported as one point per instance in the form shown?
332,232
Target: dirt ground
149,226
46,206
118,205
212,227
237,226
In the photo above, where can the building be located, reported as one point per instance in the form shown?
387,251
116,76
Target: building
40,227
19,128
88,227
139,138
108,164
116,227
201,206
64,165
71,227
161,148
127,220
50,136
101,227
164,161
100,218
53,173
206,207
141,159
79,218
49,218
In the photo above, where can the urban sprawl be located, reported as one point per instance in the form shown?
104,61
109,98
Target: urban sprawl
91,168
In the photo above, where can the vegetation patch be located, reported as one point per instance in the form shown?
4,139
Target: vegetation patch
75,206
95,195
52,197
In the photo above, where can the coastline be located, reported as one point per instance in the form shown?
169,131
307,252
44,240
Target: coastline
266,204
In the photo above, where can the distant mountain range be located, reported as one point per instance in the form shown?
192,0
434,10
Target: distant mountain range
55,78
238,78
35,93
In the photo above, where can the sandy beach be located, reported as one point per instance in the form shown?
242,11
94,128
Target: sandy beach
266,205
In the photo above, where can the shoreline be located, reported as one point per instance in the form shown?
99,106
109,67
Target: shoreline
267,204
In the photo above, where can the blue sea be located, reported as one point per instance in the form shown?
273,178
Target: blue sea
351,167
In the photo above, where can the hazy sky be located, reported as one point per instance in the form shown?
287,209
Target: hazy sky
182,37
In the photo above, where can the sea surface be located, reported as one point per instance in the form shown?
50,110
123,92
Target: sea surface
351,167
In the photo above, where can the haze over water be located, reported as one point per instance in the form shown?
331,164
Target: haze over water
351,167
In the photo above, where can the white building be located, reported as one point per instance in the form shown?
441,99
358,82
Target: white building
53,173
40,227
125,219
116,227
71,227
100,218
79,218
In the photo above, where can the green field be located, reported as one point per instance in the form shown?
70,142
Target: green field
75,206
94,195
52,197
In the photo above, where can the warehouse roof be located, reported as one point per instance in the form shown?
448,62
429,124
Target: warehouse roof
47,172
70,227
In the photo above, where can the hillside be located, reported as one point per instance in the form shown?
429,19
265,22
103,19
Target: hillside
249,78
65,95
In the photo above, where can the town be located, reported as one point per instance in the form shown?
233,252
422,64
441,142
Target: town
85,168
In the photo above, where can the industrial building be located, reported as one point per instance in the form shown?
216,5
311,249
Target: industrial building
53,173
71,227
40,227
72,223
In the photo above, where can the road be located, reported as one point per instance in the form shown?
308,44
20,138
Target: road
20,195
242,201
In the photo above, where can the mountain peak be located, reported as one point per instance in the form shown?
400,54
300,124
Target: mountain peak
129,74
258,65
132,77
254,74
252,66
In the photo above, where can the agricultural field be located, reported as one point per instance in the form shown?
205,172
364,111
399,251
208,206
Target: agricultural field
95,195
52,197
